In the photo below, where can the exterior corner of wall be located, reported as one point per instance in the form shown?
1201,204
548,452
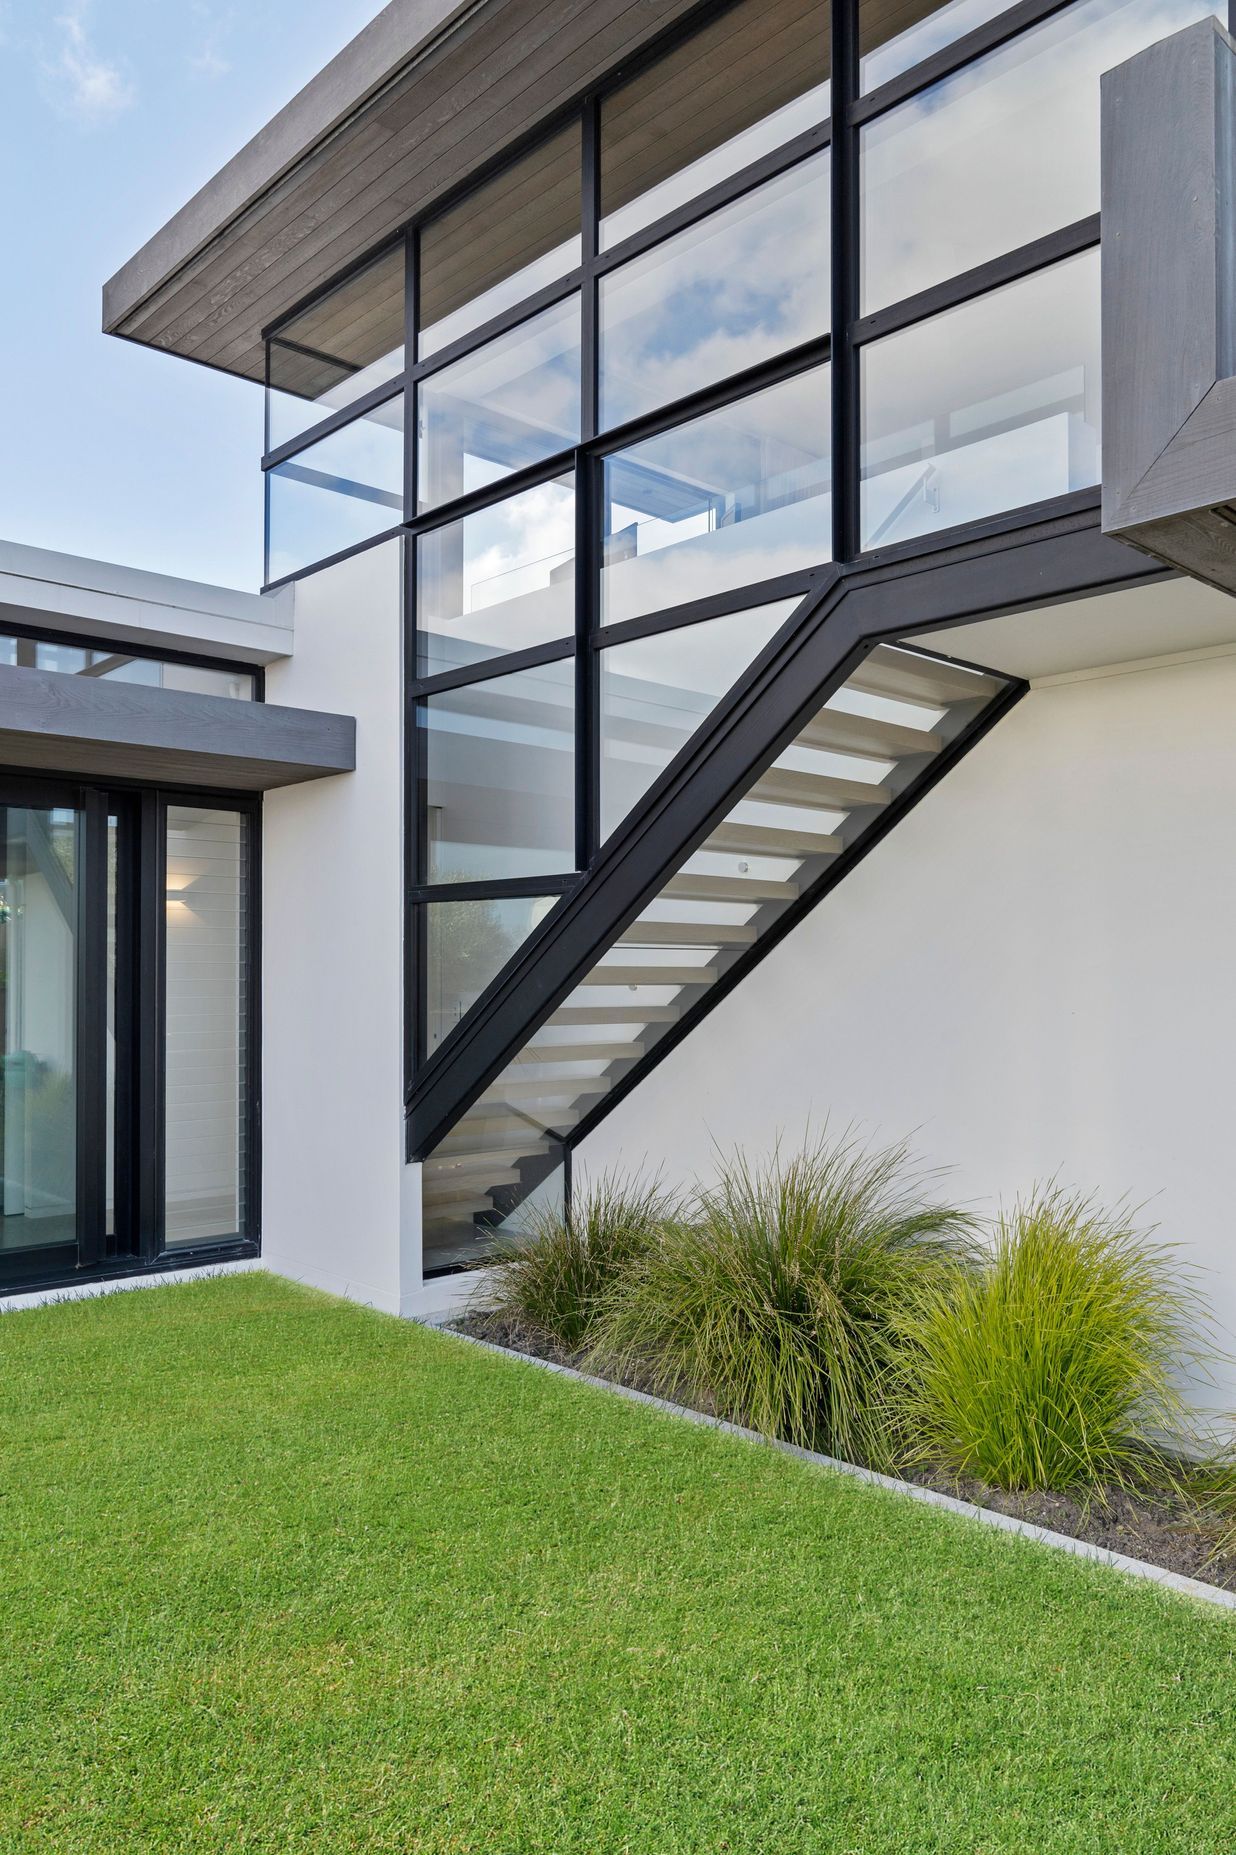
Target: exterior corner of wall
332,952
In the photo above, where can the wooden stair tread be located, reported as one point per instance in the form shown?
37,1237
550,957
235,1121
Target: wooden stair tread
904,676
650,975
579,1052
467,1159
686,934
771,840
690,887
866,737
546,1088
580,1015
815,791
445,1190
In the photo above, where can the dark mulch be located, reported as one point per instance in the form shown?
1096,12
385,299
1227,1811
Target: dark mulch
1163,1529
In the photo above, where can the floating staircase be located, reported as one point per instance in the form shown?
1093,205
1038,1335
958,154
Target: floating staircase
874,742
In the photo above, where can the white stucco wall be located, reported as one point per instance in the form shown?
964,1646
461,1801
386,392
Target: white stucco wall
1033,975
336,1210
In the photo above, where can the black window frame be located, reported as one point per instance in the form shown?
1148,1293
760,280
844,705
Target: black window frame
136,1245
150,653
849,333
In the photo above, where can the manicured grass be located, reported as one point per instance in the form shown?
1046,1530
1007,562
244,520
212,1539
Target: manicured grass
280,1574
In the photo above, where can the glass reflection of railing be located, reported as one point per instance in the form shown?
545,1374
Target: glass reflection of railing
530,576
925,487
115,666
647,534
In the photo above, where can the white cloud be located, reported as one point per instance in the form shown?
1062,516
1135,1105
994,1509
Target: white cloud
88,86
208,61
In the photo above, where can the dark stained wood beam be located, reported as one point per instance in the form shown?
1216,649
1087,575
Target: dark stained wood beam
51,722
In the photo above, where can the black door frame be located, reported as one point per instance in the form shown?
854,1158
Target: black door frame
133,1241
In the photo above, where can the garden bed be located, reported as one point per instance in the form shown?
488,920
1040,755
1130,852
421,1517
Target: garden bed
1162,1529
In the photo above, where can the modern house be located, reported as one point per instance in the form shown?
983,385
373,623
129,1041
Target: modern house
749,639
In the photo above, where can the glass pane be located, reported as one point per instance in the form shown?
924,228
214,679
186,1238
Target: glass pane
895,35
685,124
111,1012
514,235
38,1003
499,760
738,287
346,344
343,490
205,1029
465,1198
499,580
508,404
1001,153
986,407
193,679
656,691
726,500
467,943
118,667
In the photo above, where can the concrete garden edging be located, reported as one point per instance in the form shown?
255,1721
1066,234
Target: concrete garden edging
1006,1523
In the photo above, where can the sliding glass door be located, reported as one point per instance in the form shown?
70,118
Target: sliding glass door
41,856
127,1029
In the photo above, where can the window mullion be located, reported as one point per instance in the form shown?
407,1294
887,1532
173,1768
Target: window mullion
845,263
587,566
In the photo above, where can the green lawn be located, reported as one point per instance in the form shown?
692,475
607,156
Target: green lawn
282,1574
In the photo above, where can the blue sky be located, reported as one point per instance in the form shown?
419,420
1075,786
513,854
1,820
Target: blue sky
112,113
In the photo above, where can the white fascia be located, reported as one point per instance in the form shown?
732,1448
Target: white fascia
127,605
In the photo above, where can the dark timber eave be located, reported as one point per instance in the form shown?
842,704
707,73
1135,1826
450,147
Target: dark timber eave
104,729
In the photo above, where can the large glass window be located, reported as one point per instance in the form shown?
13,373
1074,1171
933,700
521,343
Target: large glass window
611,372
38,1021
343,346
895,35
735,288
1001,153
498,580
657,691
987,407
503,241
499,768
206,1018
467,943
740,495
507,405
119,667
343,490
751,80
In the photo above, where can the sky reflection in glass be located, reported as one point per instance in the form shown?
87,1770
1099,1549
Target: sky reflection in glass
499,580
731,291
735,497
990,406
1003,152
511,403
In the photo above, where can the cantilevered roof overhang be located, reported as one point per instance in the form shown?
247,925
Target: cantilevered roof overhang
106,730
427,93
102,727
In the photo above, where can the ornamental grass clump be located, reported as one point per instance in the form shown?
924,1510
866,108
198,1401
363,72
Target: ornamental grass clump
546,1281
770,1302
1054,1365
